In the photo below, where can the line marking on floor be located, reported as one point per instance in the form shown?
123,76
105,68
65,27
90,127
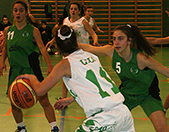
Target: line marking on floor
9,111
62,120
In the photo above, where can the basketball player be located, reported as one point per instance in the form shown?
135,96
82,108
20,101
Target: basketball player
132,61
88,17
89,85
23,58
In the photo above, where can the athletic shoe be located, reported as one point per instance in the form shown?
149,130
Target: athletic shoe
55,129
21,129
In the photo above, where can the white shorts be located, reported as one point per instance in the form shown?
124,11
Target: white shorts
118,119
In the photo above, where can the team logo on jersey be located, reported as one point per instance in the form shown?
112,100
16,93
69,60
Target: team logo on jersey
87,60
94,125
134,70
25,34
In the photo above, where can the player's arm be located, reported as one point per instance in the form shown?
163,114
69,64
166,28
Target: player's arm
64,90
41,88
153,40
4,52
144,61
96,27
37,37
91,32
51,42
106,50
167,12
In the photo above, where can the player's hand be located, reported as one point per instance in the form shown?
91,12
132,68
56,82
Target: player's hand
62,103
50,43
26,76
101,31
95,43
49,70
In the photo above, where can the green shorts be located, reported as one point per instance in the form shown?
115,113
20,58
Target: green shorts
16,71
147,102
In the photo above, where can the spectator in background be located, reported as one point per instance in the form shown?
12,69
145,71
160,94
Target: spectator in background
4,23
46,32
88,17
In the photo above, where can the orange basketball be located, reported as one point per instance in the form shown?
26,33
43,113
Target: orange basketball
21,94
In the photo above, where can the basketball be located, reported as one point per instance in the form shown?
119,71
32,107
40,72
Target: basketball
21,94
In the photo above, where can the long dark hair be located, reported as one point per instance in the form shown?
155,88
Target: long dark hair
66,40
138,40
22,3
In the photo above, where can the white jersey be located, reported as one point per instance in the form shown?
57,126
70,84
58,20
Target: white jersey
78,27
91,23
90,85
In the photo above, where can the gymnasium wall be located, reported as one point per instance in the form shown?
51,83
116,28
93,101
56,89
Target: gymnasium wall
6,8
165,18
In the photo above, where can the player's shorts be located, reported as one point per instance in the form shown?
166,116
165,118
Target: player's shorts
148,103
118,119
16,71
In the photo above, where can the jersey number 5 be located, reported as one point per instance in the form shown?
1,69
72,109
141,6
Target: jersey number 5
118,68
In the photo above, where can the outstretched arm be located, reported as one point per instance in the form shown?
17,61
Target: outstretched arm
144,61
153,40
41,88
106,50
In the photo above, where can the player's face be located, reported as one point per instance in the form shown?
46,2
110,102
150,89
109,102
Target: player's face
74,10
120,41
89,12
5,20
19,12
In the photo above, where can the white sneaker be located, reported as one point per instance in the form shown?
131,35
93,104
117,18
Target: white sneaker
21,129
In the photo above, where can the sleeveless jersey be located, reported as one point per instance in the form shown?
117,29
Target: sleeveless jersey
90,85
91,23
134,80
78,27
20,45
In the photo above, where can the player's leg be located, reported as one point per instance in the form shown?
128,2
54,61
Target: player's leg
155,111
49,111
18,116
17,113
166,103
159,121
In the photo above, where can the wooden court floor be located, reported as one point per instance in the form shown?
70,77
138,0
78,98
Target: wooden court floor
35,120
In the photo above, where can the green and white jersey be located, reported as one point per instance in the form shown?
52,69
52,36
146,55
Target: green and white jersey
90,85
134,80
78,27
20,45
